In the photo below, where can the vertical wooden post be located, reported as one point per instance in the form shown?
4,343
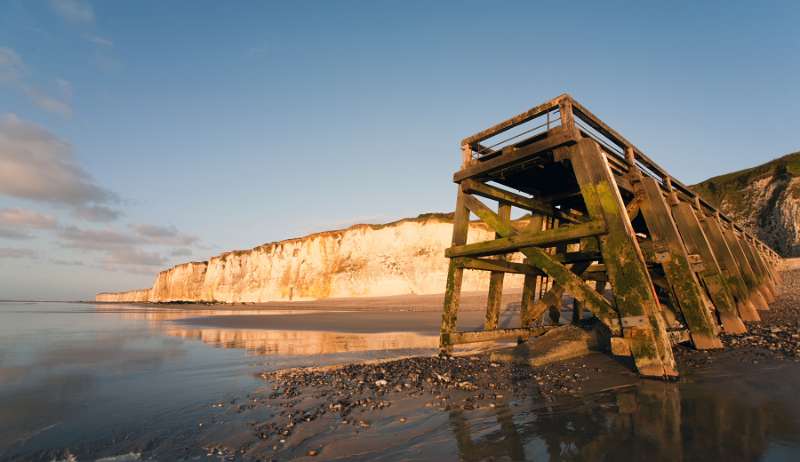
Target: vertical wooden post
577,311
642,325
709,272
530,287
728,265
765,285
671,254
744,266
455,273
764,263
495,297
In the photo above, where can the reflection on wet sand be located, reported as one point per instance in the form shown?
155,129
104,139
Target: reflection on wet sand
652,421
303,343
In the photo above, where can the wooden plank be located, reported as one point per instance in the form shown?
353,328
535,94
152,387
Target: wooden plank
516,242
496,265
458,338
511,155
455,275
532,283
765,285
526,203
514,121
744,266
711,274
633,290
495,297
542,260
729,267
674,260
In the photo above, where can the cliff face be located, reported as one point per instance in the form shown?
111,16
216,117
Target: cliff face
764,199
404,257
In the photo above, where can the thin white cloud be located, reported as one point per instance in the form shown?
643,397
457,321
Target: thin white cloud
37,165
6,252
182,252
79,11
23,218
95,239
14,73
15,234
133,256
96,213
97,40
61,262
48,103
15,223
167,235
12,68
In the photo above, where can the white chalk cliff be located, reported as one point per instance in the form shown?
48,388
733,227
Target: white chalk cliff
403,257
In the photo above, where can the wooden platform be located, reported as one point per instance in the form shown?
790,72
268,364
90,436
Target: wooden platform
592,211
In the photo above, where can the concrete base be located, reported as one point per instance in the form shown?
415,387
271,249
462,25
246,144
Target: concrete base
558,344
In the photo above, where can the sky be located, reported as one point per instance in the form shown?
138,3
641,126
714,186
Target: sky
135,135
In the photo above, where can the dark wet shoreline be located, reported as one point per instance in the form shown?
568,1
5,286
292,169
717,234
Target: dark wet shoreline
737,403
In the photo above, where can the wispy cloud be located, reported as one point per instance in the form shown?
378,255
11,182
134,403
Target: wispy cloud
14,73
74,10
57,261
48,103
97,40
136,257
15,234
95,239
37,165
182,252
11,66
167,235
6,252
97,213
16,223
22,218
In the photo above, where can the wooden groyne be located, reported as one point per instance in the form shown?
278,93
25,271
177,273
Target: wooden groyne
638,250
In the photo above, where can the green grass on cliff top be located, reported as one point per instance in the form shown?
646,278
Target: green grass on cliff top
731,187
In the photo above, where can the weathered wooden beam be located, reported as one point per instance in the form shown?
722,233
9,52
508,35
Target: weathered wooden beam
531,284
552,298
455,275
744,266
495,297
542,260
710,273
526,203
516,242
484,264
511,155
674,260
729,266
635,296
514,121
761,273
458,338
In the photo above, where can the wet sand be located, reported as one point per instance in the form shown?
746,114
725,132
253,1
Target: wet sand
738,403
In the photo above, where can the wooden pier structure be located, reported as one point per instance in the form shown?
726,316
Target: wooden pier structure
599,220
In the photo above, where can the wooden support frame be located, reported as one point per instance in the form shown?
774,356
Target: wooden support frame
674,260
748,275
572,180
708,271
633,290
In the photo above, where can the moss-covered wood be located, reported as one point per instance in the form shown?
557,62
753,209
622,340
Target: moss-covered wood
709,271
674,260
634,294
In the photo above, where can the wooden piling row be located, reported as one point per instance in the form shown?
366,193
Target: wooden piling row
600,210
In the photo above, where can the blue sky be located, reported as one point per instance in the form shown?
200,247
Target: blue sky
137,135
